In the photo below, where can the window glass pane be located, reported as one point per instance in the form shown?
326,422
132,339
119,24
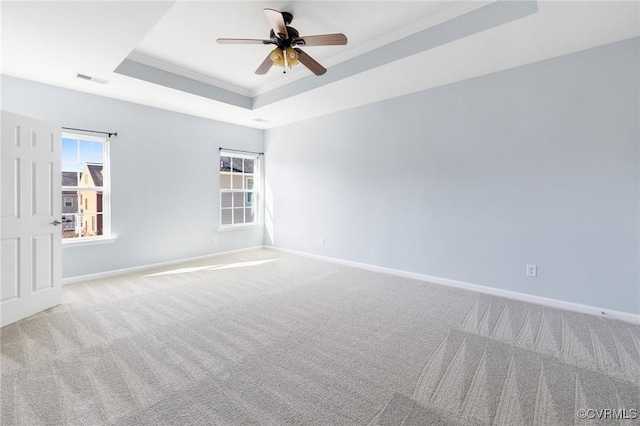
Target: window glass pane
69,228
69,150
238,215
248,165
249,217
237,182
69,202
69,175
92,225
238,189
69,178
99,202
91,175
237,165
91,152
91,201
225,181
225,164
80,225
225,216
225,200
238,199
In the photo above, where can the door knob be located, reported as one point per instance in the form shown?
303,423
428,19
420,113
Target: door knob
56,222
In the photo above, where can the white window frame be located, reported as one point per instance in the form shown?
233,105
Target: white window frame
105,189
254,177
68,201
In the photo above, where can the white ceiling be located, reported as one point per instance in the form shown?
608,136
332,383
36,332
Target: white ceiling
185,35
51,41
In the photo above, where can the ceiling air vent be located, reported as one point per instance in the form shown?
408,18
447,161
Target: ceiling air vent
90,78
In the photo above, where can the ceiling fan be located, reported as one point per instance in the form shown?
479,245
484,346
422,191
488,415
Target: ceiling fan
287,40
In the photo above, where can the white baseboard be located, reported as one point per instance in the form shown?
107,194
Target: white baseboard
115,272
576,307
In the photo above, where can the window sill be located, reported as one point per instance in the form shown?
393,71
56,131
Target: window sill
238,227
88,241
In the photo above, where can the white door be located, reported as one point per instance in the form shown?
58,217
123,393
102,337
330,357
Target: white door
30,207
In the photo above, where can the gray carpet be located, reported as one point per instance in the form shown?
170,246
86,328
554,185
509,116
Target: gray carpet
262,337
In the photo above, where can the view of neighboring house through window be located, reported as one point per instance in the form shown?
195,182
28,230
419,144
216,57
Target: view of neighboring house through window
238,189
85,187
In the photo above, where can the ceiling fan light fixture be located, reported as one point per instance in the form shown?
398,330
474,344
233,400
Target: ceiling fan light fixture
276,57
292,56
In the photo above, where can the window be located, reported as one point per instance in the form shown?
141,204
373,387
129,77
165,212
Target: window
85,187
238,189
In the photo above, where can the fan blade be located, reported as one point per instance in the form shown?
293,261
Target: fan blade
265,65
322,40
277,22
243,41
310,63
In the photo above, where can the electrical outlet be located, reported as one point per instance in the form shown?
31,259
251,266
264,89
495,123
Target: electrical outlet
322,241
532,270
214,239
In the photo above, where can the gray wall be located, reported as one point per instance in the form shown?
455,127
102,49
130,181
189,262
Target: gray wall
472,181
164,167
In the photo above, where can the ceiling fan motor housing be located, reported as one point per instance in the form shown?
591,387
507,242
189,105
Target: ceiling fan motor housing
283,43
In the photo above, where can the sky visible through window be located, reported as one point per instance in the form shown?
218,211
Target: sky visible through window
77,152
